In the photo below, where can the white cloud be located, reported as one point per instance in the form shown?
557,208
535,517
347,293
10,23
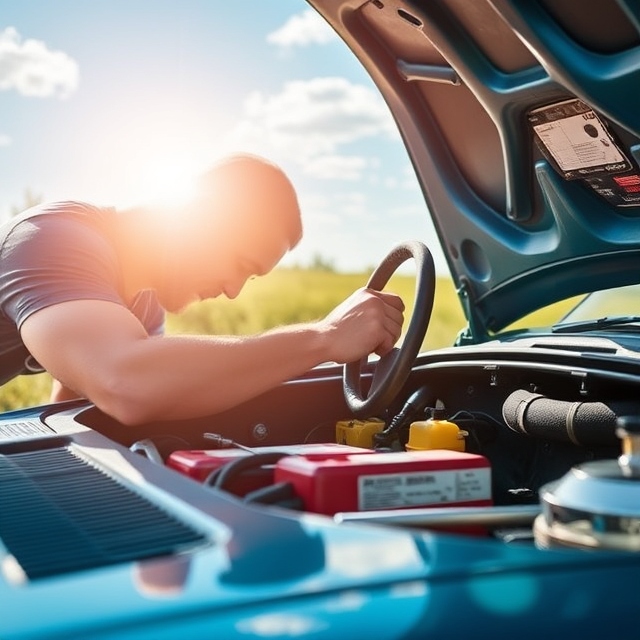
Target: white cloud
354,204
310,120
32,69
5,140
336,167
301,30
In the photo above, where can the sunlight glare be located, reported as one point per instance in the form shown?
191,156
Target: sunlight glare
168,182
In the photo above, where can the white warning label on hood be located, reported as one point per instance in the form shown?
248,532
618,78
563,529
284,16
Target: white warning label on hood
579,142
576,139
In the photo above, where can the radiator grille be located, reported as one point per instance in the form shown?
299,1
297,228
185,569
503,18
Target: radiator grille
59,513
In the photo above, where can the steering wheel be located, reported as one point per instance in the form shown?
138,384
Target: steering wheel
392,370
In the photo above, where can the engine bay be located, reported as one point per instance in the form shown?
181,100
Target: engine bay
470,447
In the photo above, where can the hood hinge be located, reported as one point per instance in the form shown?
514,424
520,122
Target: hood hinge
475,332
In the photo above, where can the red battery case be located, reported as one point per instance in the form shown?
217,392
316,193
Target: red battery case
369,481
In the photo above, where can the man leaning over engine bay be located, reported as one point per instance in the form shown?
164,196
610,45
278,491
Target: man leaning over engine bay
84,289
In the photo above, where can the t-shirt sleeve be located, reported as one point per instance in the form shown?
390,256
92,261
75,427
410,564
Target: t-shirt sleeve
148,310
48,260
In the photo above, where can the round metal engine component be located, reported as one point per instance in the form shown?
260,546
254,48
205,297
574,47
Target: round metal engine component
594,506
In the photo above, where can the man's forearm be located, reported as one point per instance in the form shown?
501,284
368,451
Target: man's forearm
100,351
171,377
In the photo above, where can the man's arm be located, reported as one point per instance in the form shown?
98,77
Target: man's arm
60,393
100,351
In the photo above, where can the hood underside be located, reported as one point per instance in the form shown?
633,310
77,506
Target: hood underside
522,120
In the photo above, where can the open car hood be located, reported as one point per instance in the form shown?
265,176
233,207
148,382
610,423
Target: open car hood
522,120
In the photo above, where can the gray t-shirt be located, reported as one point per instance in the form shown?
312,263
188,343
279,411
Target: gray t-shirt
57,253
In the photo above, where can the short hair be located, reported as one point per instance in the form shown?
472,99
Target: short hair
255,190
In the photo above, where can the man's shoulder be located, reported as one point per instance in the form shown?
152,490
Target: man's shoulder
58,218
56,253
64,209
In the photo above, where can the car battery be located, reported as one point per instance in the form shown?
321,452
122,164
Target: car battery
369,481
200,463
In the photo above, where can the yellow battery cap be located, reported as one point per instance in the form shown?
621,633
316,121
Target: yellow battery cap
435,433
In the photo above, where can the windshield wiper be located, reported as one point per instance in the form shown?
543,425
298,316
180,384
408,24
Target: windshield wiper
594,325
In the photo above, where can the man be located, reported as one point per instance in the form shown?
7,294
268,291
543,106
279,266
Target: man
83,292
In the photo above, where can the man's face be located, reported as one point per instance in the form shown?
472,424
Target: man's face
218,261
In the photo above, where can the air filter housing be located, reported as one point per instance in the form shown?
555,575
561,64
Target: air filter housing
59,513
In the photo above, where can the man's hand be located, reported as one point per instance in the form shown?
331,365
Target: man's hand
366,322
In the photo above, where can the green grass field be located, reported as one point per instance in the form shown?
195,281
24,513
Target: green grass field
283,297
300,295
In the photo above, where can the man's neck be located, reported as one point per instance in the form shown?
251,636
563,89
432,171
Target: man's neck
138,247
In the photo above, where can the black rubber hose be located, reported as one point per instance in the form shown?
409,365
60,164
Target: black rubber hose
582,423
413,407
223,477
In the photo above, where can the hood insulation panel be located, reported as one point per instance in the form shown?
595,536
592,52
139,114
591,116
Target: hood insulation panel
59,513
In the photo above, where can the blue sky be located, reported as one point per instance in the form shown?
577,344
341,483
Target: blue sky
119,101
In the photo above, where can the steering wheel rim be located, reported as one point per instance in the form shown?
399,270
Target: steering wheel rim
392,370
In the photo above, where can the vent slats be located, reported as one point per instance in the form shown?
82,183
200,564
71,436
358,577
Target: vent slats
59,513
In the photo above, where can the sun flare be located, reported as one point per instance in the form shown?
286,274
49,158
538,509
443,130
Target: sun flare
168,182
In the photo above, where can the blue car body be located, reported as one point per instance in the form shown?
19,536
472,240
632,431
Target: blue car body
478,91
